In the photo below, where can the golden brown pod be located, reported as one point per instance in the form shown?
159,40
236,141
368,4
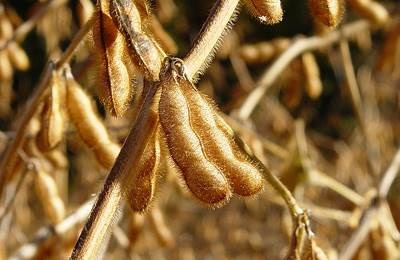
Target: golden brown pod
263,51
46,190
244,176
18,56
6,70
201,131
372,10
89,126
313,82
115,87
52,121
265,11
6,27
143,186
145,53
329,12
202,177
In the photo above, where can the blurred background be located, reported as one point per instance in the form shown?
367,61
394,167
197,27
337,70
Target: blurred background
330,153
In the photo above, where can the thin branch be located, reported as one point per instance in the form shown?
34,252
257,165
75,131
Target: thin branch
370,213
203,47
99,225
315,176
298,47
268,145
356,100
29,250
390,175
23,29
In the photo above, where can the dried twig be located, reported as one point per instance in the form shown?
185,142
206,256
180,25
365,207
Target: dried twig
298,47
370,213
30,249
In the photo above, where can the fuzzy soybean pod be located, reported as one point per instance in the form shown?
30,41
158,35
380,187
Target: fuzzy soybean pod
312,75
114,83
143,186
145,53
202,177
18,56
89,126
47,193
266,11
244,176
329,12
52,121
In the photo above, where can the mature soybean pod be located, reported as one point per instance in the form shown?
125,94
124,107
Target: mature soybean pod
147,56
203,179
244,177
52,120
143,186
329,12
114,81
266,11
89,126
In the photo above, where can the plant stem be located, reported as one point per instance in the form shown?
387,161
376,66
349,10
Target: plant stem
216,25
99,225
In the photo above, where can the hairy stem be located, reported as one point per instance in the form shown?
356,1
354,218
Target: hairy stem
207,40
99,225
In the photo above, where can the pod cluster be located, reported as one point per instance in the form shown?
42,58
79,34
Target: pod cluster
204,151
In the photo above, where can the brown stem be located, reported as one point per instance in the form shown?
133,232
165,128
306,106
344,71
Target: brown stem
98,227
216,25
